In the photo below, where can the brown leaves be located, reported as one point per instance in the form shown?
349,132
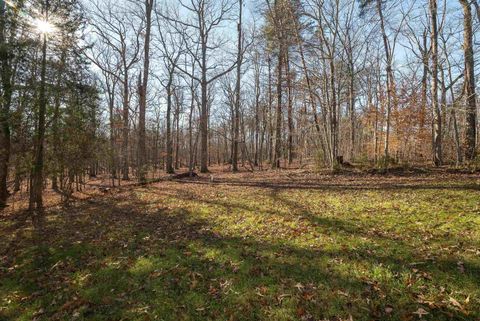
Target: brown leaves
430,302
194,279
72,304
261,291
455,303
458,306
300,312
422,274
282,297
213,291
420,312
388,309
73,307
445,302
305,254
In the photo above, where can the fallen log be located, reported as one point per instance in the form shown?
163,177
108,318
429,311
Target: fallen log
185,175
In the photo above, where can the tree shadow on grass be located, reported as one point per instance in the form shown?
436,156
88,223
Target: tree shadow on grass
296,211
388,241
107,260
333,186
378,248
352,230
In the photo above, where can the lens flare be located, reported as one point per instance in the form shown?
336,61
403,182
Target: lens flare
43,26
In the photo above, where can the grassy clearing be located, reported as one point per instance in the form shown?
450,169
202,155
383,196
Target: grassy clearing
253,248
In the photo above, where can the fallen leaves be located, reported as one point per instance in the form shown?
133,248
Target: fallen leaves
303,252
261,291
388,309
213,291
420,312
445,302
455,303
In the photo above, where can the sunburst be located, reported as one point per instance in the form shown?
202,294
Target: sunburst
43,26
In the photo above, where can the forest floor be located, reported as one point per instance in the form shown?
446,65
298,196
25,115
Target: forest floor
287,245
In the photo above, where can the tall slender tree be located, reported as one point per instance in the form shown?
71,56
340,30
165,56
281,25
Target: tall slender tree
36,188
143,91
206,16
391,85
7,23
236,123
469,78
437,114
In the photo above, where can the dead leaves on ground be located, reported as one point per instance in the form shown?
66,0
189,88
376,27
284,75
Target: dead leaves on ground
145,221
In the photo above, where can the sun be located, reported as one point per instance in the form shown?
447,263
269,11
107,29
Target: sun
44,26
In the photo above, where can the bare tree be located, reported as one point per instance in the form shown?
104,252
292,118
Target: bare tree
204,17
171,46
121,33
143,91
437,116
236,123
103,56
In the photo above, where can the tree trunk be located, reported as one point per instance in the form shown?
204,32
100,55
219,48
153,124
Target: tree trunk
169,142
204,112
390,80
437,116
111,106
278,123
177,130
291,128
471,116
142,152
351,103
125,165
7,90
456,132
258,145
190,131
237,92
333,117
270,107
425,59
55,126
36,192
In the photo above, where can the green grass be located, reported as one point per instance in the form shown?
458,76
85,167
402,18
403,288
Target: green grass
177,251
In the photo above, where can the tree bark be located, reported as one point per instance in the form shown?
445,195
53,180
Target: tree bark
7,90
204,111
111,106
291,127
55,124
437,116
237,92
177,130
125,164
36,190
270,107
142,152
471,115
278,122
333,116
390,80
258,146
169,140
